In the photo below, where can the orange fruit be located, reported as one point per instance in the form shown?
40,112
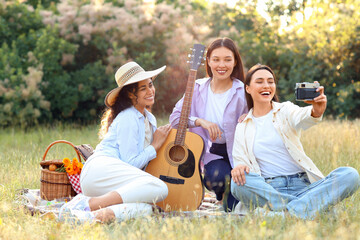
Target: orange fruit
52,167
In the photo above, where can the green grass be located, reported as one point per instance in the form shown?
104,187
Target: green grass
330,144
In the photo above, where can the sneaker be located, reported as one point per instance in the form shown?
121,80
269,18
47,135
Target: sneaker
241,209
262,212
128,211
78,217
77,209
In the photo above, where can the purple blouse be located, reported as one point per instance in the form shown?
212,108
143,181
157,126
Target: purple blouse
235,107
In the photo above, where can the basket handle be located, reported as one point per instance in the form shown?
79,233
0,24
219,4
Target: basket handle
60,141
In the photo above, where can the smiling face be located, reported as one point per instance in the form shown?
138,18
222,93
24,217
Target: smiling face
221,63
262,87
145,95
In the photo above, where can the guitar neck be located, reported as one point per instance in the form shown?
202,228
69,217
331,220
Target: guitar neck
185,111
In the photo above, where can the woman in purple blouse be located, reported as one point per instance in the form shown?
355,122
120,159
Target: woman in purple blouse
218,101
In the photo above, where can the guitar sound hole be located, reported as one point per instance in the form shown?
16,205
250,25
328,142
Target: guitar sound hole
177,153
187,169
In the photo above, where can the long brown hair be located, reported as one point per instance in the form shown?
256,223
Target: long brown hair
250,73
238,71
122,102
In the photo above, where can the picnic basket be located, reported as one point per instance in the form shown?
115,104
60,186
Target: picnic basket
55,184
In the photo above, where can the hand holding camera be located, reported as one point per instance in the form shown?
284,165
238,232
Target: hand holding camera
312,93
306,91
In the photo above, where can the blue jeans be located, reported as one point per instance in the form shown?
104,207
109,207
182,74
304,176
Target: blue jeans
295,194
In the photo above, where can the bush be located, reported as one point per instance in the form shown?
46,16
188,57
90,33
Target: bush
21,101
58,58
58,86
114,33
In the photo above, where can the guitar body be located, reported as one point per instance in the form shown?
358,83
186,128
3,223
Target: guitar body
179,167
178,160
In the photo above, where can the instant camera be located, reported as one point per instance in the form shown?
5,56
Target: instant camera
306,91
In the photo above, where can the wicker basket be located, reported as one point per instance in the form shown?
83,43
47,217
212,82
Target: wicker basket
55,184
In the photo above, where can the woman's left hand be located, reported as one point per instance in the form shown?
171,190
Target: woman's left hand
212,128
319,103
160,136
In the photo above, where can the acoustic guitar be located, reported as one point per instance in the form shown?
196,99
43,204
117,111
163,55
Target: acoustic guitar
178,160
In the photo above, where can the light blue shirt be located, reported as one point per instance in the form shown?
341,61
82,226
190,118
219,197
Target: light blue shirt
125,139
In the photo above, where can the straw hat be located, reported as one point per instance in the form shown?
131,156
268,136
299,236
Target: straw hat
127,74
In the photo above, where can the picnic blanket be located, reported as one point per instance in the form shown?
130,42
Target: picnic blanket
32,202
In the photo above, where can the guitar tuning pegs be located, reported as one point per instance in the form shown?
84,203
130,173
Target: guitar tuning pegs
189,55
203,64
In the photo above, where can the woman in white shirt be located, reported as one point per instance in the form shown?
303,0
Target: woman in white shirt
112,181
271,167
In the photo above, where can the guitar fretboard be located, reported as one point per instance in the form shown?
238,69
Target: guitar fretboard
185,111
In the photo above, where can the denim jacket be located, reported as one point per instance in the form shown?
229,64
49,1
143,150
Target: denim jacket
235,107
289,120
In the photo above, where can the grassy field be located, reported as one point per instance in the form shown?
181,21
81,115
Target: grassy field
330,144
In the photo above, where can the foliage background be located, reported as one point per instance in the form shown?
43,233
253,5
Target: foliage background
58,58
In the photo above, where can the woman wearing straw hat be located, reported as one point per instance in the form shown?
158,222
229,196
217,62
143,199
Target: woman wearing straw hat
112,182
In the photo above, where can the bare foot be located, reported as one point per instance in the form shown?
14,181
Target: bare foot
104,215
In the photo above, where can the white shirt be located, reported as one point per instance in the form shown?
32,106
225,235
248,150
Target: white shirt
289,120
215,107
148,133
270,152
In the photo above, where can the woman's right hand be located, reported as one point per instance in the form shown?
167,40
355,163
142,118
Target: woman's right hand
212,128
238,174
160,136
242,117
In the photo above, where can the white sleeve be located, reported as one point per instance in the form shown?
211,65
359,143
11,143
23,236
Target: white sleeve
300,117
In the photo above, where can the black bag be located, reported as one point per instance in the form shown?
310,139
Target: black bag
85,150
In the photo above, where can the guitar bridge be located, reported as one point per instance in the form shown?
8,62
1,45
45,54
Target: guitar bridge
172,180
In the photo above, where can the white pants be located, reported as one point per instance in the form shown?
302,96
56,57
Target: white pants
103,174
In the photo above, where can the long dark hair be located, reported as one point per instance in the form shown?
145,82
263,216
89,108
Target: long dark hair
121,103
250,73
238,71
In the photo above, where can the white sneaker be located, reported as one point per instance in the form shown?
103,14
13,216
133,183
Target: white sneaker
78,216
241,209
128,211
77,210
262,212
